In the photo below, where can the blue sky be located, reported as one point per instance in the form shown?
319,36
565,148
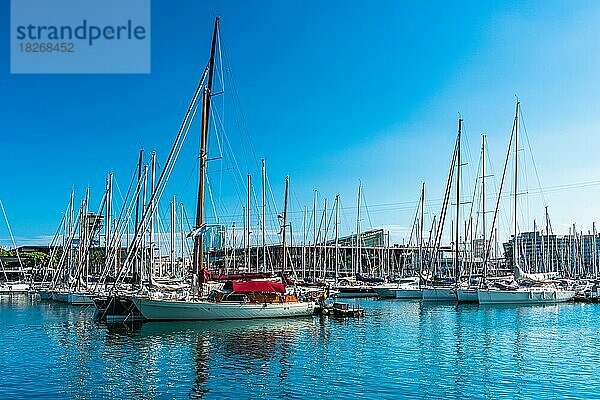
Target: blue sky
331,93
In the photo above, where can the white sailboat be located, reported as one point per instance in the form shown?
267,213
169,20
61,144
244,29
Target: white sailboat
405,288
540,294
410,287
247,300
13,287
534,295
10,285
235,306
442,293
466,292
449,292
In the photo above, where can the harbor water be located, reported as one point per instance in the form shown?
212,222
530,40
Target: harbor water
401,349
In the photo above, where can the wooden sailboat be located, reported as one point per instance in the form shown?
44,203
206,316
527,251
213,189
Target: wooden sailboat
251,299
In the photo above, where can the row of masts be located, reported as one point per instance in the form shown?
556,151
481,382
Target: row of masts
322,259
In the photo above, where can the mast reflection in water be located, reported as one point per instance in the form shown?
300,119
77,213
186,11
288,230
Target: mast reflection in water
402,349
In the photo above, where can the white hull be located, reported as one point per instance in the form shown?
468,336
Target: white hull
10,288
354,295
385,292
202,310
45,294
525,296
80,299
439,294
61,297
467,296
408,293
349,292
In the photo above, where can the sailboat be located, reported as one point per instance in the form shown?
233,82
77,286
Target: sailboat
543,292
358,285
251,299
8,284
447,291
408,287
466,292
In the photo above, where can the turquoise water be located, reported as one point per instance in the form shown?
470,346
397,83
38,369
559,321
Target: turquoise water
400,350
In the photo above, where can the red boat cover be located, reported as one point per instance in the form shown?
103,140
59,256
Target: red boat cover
258,286
235,277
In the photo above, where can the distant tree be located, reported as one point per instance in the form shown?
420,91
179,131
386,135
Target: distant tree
97,258
35,259
7,253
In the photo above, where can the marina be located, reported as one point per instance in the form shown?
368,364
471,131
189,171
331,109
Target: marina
296,201
444,350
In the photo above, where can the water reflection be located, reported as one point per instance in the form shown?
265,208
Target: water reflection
249,347
401,349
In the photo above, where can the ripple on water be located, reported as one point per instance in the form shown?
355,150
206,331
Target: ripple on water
400,350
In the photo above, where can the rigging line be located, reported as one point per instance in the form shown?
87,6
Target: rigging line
414,224
119,190
475,192
506,162
164,175
189,178
504,215
11,234
237,184
344,218
217,122
212,201
537,175
237,100
270,187
237,116
222,76
367,209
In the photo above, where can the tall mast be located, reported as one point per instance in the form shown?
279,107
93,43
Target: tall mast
314,274
515,246
595,251
173,222
304,243
421,232
182,233
325,263
248,223
548,262
153,215
137,200
87,241
484,261
285,203
457,225
198,258
107,225
144,237
337,216
264,215
136,263
358,257
71,233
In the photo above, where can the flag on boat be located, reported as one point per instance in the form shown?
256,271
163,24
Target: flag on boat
201,230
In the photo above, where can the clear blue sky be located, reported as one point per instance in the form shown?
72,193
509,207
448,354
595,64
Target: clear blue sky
332,92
